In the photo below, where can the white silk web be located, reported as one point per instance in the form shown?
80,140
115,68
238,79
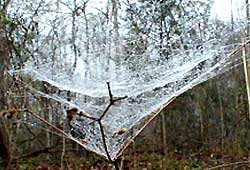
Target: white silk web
147,75
149,87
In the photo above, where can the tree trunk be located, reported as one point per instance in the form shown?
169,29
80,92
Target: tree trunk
4,84
232,16
222,124
115,22
164,133
4,149
247,18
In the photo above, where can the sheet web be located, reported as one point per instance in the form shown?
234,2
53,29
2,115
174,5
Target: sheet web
144,81
149,86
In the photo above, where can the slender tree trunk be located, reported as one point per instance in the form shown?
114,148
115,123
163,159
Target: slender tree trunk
164,133
74,35
232,16
5,52
135,156
199,110
247,18
115,5
115,22
87,47
86,30
221,118
108,38
64,140
48,136
4,147
202,127
162,19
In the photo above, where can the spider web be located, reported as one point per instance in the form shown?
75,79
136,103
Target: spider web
149,88
150,81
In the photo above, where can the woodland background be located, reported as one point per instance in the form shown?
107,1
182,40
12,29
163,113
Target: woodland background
205,127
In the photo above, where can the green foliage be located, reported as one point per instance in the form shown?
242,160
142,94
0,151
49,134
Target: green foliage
7,22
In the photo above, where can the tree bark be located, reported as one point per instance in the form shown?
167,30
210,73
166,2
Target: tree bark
4,84
247,18
164,134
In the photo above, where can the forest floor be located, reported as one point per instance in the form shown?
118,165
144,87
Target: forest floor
137,161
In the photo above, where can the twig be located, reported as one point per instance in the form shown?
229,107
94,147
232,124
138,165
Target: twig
226,165
111,102
114,162
104,140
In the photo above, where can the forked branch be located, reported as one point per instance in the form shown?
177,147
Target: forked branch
112,101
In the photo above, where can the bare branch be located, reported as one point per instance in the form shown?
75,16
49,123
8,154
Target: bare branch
227,165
